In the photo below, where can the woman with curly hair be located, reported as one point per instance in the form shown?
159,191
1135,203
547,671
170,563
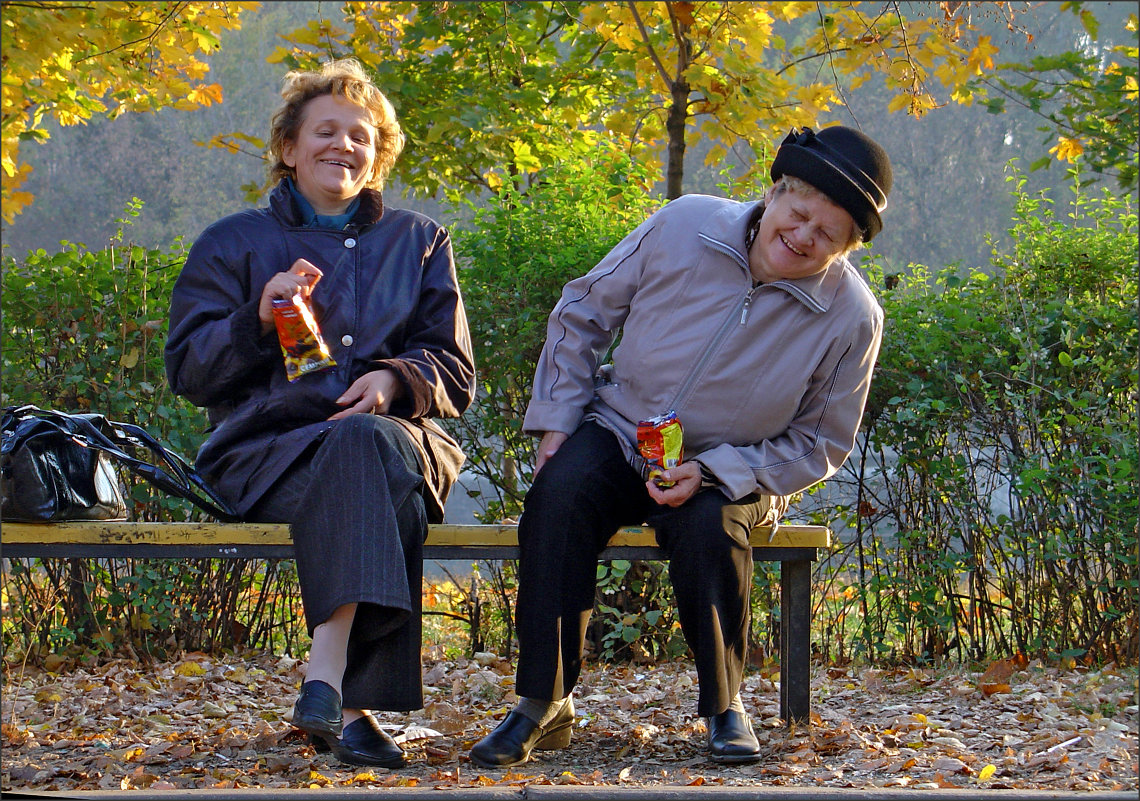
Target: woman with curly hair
347,454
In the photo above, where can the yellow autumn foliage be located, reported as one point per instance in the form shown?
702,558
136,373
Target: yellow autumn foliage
1067,149
70,62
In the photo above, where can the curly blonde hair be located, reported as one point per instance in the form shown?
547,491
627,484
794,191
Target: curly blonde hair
345,78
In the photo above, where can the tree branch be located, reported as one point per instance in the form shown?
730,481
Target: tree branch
713,27
825,54
649,45
149,39
834,74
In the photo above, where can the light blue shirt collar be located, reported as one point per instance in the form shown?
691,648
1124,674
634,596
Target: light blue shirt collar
310,218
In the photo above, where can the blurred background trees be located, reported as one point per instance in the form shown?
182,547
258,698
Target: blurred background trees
492,91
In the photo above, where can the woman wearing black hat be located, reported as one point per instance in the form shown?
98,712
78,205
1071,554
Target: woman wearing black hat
748,322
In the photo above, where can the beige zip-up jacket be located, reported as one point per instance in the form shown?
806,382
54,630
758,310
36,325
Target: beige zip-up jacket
769,381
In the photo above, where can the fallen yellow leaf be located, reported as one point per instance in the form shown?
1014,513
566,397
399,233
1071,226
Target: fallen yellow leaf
317,779
366,776
986,773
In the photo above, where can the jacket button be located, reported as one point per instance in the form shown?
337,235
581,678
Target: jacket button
350,243
346,340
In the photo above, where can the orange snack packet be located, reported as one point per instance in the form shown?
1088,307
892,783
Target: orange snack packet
303,347
660,440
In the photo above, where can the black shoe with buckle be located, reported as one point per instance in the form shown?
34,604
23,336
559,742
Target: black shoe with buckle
512,740
318,711
363,742
731,738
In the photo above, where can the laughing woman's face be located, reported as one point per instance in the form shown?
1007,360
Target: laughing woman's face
800,235
333,153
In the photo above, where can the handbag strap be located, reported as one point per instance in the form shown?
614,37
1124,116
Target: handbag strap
176,476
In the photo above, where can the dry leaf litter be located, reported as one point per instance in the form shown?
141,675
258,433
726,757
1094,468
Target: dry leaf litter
223,722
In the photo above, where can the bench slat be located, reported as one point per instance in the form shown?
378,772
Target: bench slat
97,532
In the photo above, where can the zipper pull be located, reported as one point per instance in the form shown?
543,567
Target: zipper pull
747,303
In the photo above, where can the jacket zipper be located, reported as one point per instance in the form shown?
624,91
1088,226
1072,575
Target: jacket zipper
714,343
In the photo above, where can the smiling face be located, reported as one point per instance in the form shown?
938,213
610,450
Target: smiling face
800,234
333,153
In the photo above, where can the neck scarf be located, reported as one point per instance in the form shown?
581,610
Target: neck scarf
310,218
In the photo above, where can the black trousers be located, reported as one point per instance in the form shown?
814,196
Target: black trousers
584,493
358,522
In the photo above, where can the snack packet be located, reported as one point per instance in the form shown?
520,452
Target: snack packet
660,442
300,337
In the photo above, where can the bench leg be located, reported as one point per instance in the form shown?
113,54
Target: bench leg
795,641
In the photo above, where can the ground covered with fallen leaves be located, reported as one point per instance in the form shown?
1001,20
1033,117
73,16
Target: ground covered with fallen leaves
223,721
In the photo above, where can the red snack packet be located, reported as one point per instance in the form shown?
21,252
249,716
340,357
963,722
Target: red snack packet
300,337
660,440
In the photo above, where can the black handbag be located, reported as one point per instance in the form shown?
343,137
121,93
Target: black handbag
56,466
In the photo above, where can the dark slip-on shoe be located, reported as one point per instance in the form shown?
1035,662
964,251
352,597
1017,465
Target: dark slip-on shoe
318,711
512,740
363,742
731,738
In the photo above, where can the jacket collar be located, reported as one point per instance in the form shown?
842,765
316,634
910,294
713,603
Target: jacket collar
282,205
726,231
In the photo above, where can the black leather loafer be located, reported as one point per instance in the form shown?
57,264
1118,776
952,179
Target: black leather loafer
731,738
512,740
363,742
318,711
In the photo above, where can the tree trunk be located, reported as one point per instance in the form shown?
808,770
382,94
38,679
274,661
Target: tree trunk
675,126
79,615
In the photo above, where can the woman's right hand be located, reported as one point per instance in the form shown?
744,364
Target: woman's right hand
301,277
551,441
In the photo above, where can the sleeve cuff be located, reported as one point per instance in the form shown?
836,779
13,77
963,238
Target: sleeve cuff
543,416
733,477
415,401
708,477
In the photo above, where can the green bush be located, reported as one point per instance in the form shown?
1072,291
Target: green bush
516,253
997,500
84,331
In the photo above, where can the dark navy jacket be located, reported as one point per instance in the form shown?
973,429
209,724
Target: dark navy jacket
388,298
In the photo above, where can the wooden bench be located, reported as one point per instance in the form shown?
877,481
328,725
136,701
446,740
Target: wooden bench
794,547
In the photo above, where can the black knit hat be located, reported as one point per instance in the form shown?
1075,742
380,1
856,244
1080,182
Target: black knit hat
846,165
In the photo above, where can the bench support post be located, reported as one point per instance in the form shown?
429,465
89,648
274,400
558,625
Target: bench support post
795,641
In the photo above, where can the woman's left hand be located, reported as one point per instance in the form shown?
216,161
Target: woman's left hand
372,393
688,478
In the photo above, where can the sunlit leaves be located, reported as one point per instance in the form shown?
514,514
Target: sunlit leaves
70,62
746,85
492,92
1067,149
